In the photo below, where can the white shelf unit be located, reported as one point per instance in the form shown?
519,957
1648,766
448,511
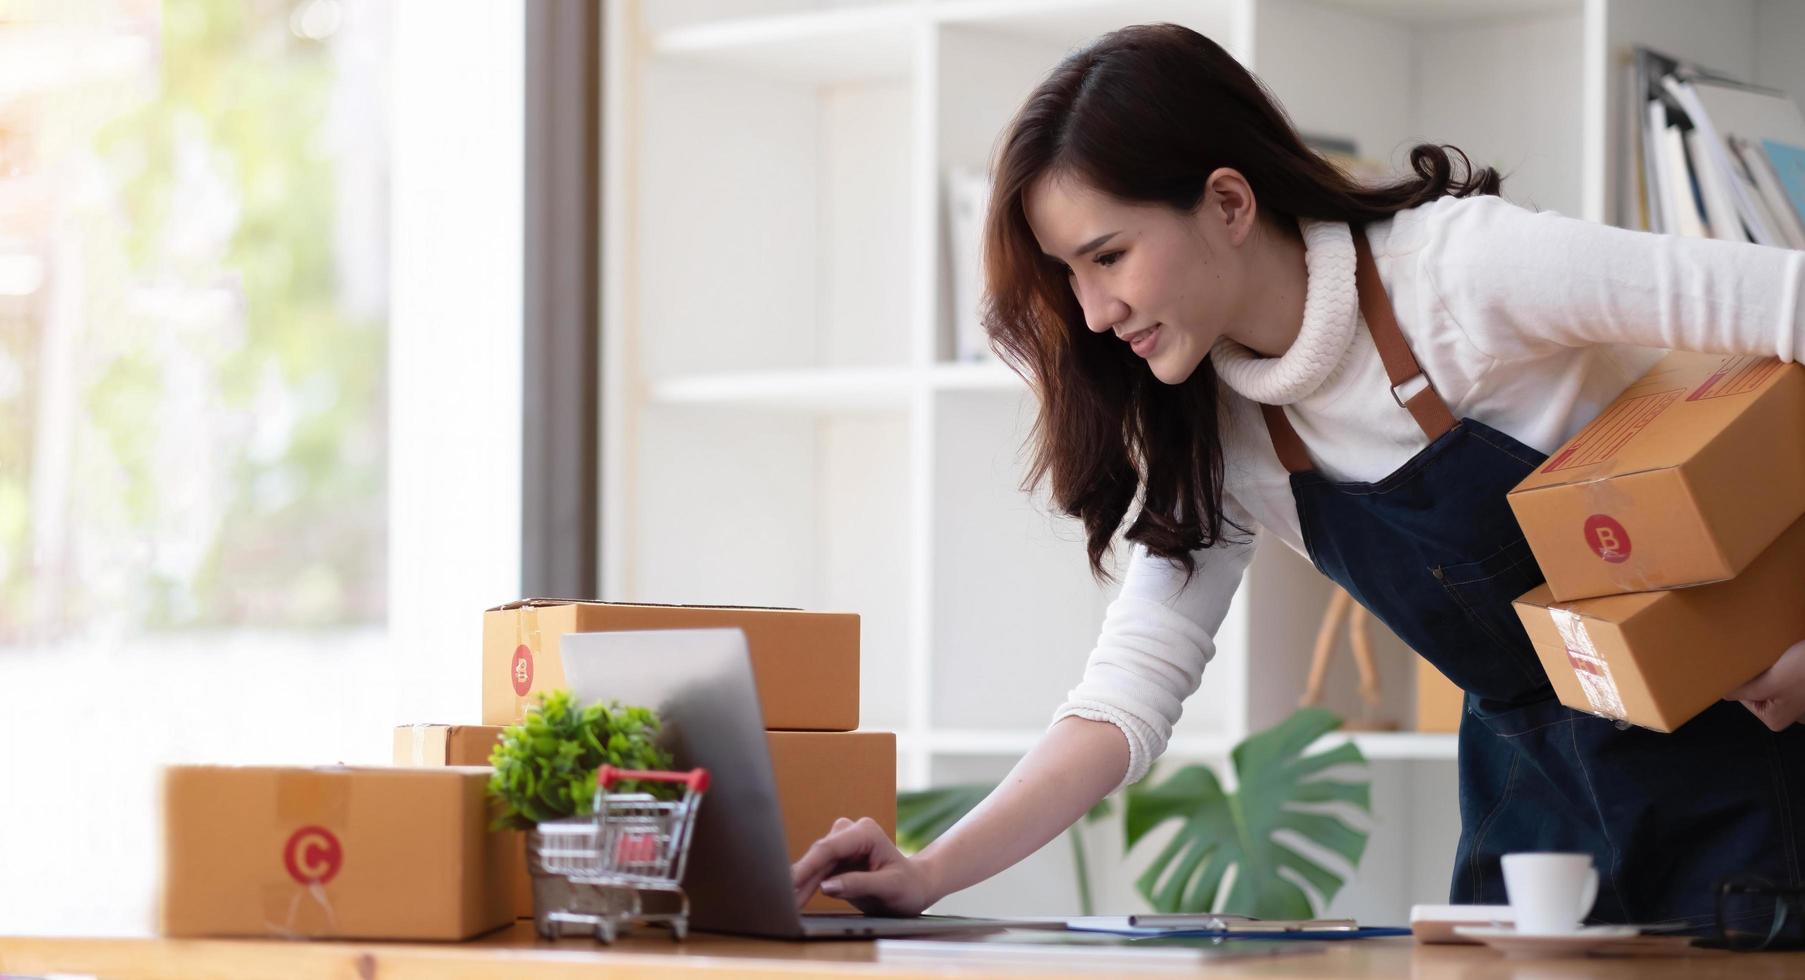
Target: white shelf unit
783,420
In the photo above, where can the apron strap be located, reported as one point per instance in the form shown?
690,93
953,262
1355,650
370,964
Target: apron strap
1426,406
1285,441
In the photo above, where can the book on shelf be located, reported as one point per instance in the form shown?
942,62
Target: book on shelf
1720,210
1679,205
1788,162
1709,155
1788,219
1650,130
967,201
1713,164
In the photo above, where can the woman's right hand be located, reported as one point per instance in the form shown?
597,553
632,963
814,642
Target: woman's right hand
857,862
1072,766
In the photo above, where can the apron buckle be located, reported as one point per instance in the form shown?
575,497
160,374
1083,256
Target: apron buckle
1415,391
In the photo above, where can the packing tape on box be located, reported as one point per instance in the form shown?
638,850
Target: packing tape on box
1606,498
312,812
1593,672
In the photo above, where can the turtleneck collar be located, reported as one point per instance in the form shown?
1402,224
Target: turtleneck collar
1331,310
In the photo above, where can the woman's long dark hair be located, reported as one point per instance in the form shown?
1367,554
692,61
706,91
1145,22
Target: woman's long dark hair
1146,114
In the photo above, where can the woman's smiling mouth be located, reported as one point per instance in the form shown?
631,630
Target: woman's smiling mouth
1142,342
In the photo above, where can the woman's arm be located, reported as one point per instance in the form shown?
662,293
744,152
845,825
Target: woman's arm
1520,283
1075,764
1156,638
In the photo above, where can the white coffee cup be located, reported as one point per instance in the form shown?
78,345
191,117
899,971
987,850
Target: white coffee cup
1550,893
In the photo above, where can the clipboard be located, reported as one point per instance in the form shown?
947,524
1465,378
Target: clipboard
1217,926
1238,923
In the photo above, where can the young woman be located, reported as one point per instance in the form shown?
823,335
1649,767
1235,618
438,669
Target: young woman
1224,329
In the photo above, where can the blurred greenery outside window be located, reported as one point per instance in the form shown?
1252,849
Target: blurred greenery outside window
193,315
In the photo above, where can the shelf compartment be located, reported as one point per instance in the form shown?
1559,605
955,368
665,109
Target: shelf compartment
1376,746
771,227
814,390
817,47
1069,23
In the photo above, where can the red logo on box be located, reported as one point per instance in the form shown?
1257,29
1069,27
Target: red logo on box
521,673
1607,538
313,855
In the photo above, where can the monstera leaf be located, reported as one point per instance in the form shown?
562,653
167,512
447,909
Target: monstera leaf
922,815
1221,830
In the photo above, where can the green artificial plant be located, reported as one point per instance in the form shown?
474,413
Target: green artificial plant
1217,830
545,765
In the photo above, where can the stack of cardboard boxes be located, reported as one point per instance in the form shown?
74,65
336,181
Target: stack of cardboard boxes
1669,531
406,853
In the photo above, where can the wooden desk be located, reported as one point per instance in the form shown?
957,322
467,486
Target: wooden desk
517,953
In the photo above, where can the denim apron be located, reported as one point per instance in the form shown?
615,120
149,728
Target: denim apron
1434,552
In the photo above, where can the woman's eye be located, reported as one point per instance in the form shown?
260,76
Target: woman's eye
1108,259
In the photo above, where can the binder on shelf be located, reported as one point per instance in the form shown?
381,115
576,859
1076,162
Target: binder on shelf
1651,125
1698,176
1679,205
1788,163
1715,161
1720,215
968,200
1788,219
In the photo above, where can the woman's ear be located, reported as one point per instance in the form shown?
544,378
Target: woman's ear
1228,205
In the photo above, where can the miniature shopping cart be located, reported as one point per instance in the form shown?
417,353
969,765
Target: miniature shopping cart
621,865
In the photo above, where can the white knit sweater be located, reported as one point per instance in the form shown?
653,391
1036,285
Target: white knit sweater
1528,322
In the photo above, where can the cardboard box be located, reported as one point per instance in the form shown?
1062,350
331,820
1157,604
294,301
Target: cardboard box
1683,480
806,664
470,745
445,745
1658,658
1439,702
349,853
820,777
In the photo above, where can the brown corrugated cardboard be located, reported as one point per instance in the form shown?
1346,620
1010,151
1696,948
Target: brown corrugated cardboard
445,745
470,745
1439,703
352,853
1658,658
806,664
1681,481
822,776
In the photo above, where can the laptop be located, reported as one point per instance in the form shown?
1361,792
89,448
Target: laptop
700,684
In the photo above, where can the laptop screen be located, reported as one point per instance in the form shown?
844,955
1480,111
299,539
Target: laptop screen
699,682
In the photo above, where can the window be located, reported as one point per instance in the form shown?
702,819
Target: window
259,402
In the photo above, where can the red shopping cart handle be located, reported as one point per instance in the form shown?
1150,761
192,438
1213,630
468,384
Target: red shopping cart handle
607,776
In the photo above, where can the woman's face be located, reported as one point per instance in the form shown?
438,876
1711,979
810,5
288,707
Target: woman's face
1166,282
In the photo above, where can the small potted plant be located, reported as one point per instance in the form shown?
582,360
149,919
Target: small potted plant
545,769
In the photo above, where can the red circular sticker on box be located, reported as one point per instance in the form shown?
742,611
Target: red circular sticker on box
313,855
1607,538
521,673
